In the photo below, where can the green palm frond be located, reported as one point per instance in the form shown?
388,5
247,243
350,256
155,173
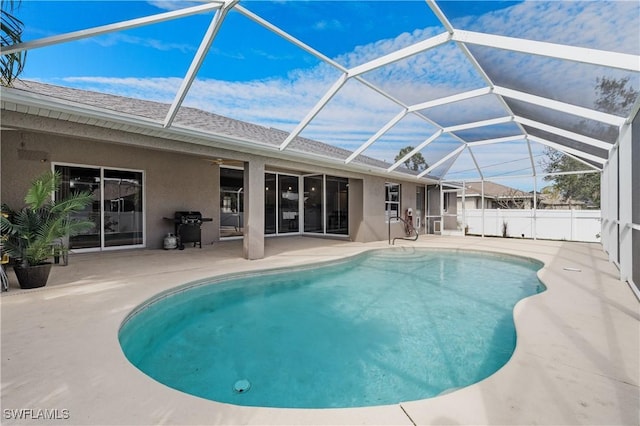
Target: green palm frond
74,203
11,27
30,233
41,189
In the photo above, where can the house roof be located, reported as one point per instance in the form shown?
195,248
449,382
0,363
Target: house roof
210,124
193,118
532,88
493,190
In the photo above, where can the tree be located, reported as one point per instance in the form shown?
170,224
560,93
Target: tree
512,198
11,27
614,96
416,162
578,187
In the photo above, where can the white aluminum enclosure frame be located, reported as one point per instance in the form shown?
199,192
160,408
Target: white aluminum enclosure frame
615,164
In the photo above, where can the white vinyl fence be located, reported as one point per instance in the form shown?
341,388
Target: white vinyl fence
570,225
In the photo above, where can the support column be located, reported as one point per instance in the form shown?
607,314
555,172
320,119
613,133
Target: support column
253,243
482,201
464,207
604,208
442,195
625,196
612,200
535,207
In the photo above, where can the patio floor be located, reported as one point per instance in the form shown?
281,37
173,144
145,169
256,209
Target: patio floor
577,360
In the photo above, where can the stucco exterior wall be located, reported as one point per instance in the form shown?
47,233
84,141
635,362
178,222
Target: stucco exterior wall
176,175
374,226
172,181
408,197
356,210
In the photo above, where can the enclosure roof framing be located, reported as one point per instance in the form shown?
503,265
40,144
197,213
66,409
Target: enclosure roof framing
504,105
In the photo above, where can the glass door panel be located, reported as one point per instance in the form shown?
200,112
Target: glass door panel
420,203
123,222
270,214
337,205
231,202
78,179
313,202
288,208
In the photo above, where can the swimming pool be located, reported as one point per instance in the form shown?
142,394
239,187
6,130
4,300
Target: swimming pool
383,327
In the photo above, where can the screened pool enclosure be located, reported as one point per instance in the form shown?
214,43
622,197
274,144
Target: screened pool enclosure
483,91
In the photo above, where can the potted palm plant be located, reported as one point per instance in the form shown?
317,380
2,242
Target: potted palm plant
31,234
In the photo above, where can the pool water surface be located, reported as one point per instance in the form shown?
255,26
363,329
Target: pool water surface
380,328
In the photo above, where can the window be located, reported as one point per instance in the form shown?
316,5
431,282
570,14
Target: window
392,200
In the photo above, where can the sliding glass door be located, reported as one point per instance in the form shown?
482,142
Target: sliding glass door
324,208
282,204
326,205
116,210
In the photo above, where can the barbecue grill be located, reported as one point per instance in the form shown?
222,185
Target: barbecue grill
188,227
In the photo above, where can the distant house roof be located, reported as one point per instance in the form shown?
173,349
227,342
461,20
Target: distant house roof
493,190
211,123
548,200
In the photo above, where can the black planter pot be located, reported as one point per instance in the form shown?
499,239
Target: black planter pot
33,276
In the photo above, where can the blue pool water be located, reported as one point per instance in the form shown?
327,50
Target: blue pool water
383,327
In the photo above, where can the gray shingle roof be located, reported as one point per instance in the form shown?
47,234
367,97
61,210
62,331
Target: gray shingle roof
495,190
195,119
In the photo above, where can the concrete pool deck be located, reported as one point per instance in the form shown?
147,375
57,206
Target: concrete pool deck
577,359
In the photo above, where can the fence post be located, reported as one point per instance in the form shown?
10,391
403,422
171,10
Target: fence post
482,201
535,208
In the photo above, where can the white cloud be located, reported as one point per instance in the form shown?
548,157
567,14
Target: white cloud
152,89
114,39
605,25
174,4
328,24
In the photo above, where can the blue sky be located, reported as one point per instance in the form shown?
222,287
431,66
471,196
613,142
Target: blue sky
253,75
